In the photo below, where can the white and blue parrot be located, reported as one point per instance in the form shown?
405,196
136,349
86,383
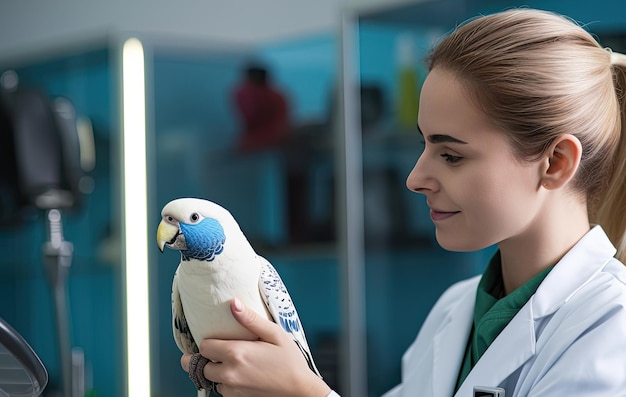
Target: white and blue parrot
217,264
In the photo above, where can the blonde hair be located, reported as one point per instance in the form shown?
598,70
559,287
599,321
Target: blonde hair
538,75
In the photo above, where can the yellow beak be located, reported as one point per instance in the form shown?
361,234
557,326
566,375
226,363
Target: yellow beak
165,234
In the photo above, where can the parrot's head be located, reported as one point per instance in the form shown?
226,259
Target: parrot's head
197,228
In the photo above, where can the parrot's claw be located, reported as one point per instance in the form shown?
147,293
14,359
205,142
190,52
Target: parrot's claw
196,372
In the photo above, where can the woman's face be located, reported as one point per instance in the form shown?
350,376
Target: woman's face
478,193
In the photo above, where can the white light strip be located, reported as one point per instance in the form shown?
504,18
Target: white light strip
135,220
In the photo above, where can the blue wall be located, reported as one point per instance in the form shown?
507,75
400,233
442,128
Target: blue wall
94,292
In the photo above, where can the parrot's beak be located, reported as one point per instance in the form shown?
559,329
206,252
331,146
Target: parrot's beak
168,234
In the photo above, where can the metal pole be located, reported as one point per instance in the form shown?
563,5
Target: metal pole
58,259
350,205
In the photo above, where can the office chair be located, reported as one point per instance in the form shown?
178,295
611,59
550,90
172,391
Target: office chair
22,374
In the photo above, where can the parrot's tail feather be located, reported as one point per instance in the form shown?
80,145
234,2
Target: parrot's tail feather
211,393
309,359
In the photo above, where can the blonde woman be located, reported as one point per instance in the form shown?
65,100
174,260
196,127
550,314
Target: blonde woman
523,116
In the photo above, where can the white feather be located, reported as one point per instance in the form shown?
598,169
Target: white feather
202,290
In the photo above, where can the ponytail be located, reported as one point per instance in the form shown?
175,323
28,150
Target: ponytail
612,211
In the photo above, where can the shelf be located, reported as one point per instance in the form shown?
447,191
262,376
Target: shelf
304,251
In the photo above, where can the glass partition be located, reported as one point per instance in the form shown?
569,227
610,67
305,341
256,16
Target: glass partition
396,268
274,174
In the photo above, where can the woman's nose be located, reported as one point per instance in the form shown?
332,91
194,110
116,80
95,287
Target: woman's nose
420,179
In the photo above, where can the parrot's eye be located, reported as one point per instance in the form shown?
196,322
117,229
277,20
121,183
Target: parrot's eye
195,217
170,218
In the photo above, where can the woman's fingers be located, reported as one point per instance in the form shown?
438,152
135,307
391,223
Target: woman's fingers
265,329
184,361
250,367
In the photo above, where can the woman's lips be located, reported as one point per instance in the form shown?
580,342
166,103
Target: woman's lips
441,215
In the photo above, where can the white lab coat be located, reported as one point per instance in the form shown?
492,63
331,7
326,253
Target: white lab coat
568,340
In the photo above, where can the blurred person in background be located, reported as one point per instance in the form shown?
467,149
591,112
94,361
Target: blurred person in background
262,108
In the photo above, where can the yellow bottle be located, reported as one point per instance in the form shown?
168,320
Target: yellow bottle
408,85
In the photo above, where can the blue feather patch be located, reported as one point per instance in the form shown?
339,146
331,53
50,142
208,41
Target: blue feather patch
289,321
204,240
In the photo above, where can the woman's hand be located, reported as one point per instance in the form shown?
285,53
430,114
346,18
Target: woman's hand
272,366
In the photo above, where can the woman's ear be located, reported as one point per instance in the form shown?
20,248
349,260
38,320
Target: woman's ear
563,158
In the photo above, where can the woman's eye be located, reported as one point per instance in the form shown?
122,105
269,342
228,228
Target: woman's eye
450,158
195,217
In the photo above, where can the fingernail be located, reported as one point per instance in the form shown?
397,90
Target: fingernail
238,305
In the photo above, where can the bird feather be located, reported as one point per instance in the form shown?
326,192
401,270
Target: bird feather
218,264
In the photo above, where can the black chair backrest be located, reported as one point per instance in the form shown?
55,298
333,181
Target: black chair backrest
39,155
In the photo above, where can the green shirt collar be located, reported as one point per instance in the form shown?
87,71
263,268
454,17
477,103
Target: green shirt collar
493,311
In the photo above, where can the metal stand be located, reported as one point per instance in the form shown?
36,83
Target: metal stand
48,164
57,260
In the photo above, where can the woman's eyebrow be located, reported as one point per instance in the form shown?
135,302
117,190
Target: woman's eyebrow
440,138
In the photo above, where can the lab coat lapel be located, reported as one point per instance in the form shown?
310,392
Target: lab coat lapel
509,351
516,343
449,346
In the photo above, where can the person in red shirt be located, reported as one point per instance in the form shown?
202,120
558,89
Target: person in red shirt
263,109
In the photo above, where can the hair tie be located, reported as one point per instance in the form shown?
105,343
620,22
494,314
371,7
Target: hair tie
616,57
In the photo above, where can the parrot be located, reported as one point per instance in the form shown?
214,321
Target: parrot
217,264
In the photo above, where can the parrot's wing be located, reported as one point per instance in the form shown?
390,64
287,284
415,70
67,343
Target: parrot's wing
182,334
282,309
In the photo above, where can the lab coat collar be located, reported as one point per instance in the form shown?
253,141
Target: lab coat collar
516,344
588,257
449,345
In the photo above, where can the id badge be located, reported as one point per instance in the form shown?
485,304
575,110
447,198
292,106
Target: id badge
482,391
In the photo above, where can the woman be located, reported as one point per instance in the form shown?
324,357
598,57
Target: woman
524,120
